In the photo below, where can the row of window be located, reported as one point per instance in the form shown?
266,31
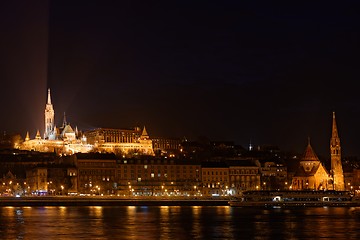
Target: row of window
214,173
243,171
158,175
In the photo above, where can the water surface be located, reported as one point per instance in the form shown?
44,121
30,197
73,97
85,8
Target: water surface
173,222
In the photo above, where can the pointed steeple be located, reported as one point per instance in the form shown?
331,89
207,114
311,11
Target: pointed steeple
49,97
49,117
27,138
64,121
335,140
334,128
144,132
38,135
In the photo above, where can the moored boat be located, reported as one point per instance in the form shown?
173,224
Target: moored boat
294,198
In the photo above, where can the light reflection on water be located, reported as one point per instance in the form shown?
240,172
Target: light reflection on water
168,222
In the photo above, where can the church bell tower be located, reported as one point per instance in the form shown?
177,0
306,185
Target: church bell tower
336,166
49,117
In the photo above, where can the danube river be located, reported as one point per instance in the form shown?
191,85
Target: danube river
171,222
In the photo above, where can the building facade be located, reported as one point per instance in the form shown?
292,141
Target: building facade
215,178
96,173
311,174
67,140
243,175
120,141
158,177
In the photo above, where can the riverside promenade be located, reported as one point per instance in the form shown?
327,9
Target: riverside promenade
111,201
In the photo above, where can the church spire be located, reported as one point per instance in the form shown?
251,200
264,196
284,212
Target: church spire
335,140
64,121
37,135
334,133
49,117
49,97
335,152
27,137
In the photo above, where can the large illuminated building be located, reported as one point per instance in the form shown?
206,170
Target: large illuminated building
120,141
311,173
66,140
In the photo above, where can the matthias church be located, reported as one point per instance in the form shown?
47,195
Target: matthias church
66,140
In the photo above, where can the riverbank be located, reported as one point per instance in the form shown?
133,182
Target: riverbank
108,201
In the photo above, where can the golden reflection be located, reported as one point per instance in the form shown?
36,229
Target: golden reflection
9,211
62,211
165,223
131,225
223,210
96,211
131,210
164,209
227,210
196,211
196,226
97,220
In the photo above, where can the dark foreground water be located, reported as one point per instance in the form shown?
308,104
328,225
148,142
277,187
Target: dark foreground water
178,223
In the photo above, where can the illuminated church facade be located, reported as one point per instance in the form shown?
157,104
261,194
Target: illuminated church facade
66,140
312,174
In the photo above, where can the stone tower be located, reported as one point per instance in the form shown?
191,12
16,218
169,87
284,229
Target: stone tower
49,117
336,166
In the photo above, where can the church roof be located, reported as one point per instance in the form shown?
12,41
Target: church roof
309,154
68,129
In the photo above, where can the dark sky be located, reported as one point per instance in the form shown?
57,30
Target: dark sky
239,71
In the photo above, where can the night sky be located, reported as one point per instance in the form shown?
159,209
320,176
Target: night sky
229,70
